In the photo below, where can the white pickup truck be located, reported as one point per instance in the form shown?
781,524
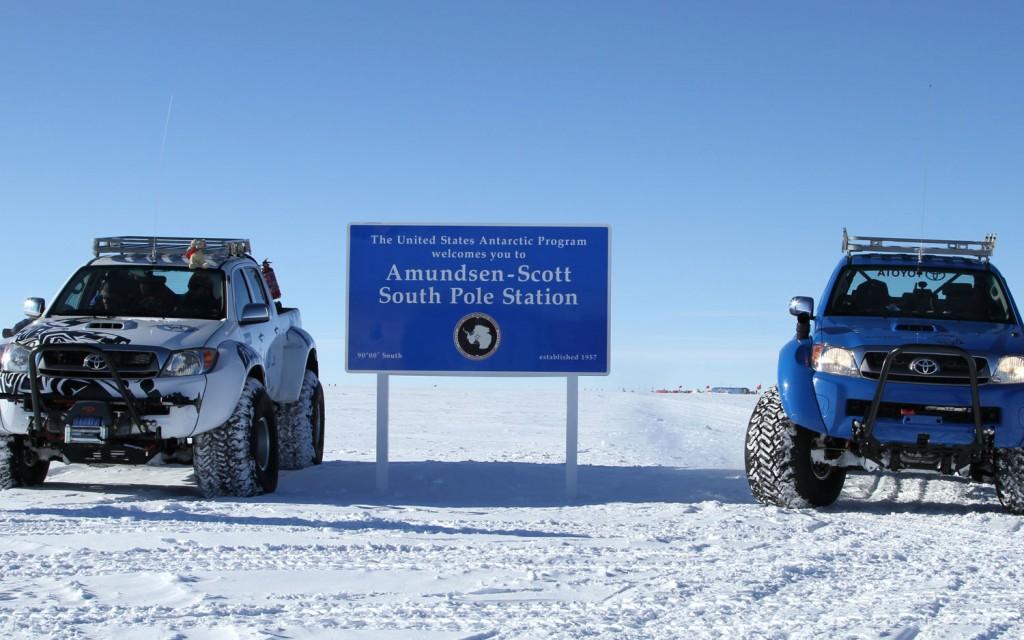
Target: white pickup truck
147,352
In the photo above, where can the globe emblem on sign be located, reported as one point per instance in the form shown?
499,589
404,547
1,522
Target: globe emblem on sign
477,336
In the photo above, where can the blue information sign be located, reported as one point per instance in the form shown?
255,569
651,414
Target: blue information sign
466,299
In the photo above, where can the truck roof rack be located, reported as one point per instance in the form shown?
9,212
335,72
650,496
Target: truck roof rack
154,246
981,249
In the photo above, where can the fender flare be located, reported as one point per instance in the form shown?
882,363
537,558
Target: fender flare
287,378
796,386
236,362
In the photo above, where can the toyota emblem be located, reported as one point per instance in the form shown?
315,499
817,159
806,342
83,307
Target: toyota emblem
924,366
95,362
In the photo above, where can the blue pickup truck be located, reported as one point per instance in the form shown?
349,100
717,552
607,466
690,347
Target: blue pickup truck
914,360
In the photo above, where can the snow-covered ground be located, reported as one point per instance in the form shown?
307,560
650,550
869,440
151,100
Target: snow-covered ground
475,540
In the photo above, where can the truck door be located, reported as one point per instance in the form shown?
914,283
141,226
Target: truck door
254,335
268,336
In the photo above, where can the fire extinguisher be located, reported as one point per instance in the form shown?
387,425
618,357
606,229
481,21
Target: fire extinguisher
271,280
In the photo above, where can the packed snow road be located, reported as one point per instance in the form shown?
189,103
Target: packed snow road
474,539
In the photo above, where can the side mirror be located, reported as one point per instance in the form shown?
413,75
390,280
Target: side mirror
34,307
254,313
803,308
802,305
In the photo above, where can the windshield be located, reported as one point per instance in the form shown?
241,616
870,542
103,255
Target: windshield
145,292
911,292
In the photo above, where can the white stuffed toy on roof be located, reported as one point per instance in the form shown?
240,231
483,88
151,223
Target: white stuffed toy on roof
196,254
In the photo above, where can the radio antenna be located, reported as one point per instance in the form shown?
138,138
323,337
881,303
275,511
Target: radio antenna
160,167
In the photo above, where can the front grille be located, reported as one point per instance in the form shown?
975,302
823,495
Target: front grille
949,413
952,369
73,364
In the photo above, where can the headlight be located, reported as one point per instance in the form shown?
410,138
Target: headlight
835,360
190,363
15,358
1009,370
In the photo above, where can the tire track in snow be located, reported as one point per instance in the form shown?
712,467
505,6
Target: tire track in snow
894,555
866,492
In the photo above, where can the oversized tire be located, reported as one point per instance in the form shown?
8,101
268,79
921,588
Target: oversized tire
1010,479
16,468
239,458
780,471
8,478
300,426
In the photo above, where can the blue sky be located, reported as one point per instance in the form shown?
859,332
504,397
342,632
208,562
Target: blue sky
727,144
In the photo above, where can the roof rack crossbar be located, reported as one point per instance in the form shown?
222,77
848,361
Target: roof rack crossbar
154,246
981,249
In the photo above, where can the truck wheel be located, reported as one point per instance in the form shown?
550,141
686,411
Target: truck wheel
1010,479
7,460
16,469
780,471
301,426
239,458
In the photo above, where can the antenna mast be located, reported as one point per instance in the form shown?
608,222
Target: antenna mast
160,170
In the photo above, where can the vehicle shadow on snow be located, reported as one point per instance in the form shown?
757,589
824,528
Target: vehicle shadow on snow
127,492
473,484
462,484
429,484
506,484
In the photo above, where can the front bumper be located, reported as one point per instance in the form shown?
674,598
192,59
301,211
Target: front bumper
151,408
168,407
842,400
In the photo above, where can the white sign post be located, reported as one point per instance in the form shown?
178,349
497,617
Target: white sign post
382,432
572,420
